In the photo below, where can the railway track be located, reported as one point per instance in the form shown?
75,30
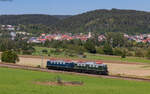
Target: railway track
6,65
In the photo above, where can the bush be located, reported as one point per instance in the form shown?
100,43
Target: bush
27,52
139,53
124,53
55,52
71,55
123,56
130,53
108,49
148,54
84,56
49,54
44,51
99,51
9,56
117,51
90,47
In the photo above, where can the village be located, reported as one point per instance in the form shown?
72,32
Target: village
143,38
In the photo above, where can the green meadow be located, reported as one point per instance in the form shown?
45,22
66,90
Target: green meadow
17,81
91,56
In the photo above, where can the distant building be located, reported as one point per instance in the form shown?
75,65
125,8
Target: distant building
101,38
90,35
23,33
34,40
8,27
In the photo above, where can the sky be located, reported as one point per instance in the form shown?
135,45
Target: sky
68,7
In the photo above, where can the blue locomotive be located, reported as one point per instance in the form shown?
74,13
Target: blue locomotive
81,67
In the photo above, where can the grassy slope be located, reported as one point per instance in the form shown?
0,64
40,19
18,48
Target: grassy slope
96,56
14,81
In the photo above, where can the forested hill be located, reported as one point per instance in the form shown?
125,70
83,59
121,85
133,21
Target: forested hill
115,20
28,19
99,21
61,17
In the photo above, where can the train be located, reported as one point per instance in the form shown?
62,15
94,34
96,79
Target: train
78,66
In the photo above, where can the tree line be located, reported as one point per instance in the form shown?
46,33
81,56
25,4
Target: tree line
98,21
101,21
114,44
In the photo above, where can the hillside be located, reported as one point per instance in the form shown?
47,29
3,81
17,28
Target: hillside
98,21
115,20
28,19
61,17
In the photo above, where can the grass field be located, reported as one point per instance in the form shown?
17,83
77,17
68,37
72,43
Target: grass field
38,50
95,56
117,58
16,81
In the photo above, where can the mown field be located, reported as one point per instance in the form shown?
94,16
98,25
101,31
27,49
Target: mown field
93,56
16,81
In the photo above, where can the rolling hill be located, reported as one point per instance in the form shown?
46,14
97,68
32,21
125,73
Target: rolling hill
28,19
97,21
115,20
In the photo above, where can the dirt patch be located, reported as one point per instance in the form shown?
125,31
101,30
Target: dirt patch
128,69
60,84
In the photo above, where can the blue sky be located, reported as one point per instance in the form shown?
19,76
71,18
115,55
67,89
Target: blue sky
68,7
